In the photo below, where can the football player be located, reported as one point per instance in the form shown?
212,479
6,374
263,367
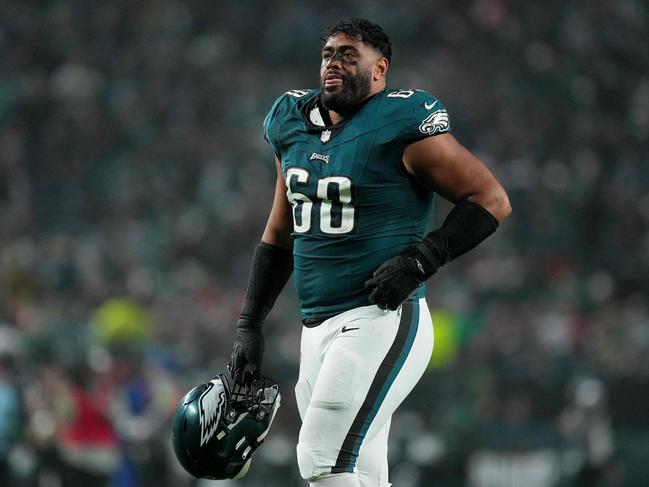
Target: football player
358,167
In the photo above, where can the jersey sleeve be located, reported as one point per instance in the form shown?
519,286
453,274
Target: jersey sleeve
272,124
426,116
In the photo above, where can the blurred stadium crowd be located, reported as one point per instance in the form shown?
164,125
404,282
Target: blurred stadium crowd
135,182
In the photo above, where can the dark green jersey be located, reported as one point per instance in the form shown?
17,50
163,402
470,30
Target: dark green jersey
354,205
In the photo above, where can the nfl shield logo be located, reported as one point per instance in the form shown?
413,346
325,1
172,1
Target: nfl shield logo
326,135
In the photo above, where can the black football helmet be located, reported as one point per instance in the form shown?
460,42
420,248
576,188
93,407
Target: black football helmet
216,427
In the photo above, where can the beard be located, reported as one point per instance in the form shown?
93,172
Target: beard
351,95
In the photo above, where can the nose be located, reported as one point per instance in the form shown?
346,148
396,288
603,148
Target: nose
334,60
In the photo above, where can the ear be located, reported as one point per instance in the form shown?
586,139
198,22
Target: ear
381,69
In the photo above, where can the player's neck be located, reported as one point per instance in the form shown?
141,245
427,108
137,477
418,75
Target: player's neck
335,117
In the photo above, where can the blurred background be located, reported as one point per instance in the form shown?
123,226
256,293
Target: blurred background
135,183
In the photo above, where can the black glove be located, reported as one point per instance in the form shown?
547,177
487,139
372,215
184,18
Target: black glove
248,352
466,225
398,277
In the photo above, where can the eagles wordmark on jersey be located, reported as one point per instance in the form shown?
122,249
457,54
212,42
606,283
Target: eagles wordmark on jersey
354,205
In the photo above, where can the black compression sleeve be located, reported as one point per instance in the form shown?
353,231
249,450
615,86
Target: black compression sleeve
466,225
270,269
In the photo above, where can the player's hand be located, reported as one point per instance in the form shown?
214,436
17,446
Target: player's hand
397,278
247,353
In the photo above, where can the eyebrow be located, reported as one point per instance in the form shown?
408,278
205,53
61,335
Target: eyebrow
344,47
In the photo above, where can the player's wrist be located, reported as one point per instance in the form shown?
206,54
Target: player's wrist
248,324
252,315
429,255
466,226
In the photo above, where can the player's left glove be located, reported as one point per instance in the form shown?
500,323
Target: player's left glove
398,277
466,225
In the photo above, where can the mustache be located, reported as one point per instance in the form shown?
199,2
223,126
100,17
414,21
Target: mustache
345,79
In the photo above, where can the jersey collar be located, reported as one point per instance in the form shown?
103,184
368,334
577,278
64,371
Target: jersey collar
316,117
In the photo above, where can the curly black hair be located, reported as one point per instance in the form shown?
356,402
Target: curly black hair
363,30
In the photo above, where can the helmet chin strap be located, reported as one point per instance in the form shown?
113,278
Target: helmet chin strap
278,399
244,470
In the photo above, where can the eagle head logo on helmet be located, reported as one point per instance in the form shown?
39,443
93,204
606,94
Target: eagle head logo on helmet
216,427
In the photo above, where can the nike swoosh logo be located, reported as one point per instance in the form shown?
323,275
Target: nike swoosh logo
345,329
428,106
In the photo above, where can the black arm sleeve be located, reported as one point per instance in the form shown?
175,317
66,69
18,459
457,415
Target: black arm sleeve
270,269
466,225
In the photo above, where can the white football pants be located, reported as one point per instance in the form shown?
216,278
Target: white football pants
355,370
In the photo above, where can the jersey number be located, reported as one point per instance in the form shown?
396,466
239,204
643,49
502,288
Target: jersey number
401,94
336,212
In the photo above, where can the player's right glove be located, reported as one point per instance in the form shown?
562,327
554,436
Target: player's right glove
247,353
270,269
